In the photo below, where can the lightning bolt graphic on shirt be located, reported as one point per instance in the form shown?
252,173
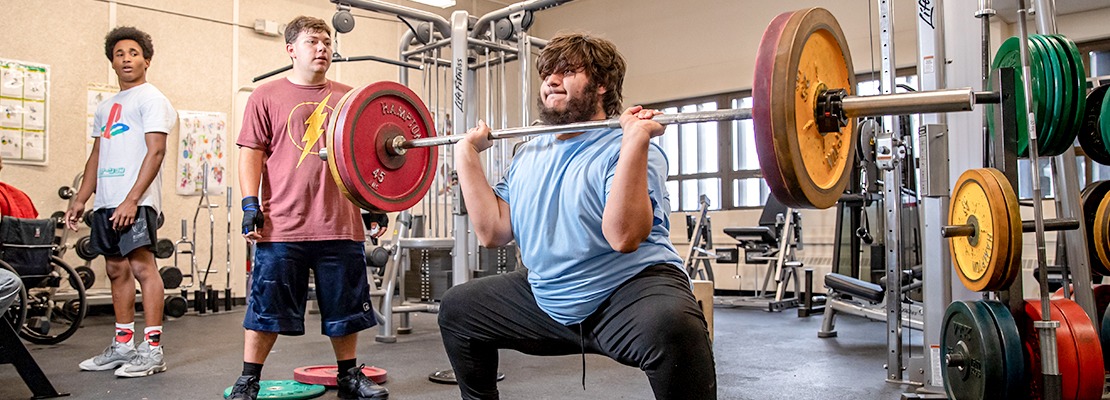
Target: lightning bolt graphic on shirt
314,128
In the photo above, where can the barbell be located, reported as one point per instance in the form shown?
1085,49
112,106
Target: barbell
381,141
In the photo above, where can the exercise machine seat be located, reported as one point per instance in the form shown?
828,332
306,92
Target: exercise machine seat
854,287
762,234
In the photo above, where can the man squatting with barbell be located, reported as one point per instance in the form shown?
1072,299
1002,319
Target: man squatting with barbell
589,211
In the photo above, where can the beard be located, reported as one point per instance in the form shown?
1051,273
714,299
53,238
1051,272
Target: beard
579,108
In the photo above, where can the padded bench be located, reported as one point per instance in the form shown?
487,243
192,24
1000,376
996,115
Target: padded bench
854,287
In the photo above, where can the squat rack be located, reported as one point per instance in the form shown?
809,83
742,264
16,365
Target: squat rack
465,77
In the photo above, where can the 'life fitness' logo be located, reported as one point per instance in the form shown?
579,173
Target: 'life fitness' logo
114,127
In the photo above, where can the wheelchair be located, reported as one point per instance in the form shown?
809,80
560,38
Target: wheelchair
52,303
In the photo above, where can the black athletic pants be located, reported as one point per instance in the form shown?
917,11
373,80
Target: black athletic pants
651,322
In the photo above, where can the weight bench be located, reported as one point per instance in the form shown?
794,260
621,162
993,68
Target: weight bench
865,299
773,242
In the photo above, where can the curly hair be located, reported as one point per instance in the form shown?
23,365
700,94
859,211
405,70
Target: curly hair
125,33
598,57
306,24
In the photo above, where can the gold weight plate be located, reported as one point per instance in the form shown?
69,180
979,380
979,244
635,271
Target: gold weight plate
801,53
982,260
1102,231
1013,263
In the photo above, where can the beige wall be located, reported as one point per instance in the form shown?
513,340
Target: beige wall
206,53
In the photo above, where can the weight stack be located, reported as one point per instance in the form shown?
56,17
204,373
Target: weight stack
428,275
496,261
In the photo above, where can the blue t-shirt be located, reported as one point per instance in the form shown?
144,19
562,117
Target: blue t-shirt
556,191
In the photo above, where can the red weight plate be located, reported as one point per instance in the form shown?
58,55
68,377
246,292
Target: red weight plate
1065,349
1101,293
800,54
360,138
1088,349
326,375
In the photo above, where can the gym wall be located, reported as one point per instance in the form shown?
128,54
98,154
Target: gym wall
206,53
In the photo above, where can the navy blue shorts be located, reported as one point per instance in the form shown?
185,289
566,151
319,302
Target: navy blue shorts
112,243
279,287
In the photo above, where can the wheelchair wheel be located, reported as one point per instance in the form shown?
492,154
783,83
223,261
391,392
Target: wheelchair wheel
17,313
56,307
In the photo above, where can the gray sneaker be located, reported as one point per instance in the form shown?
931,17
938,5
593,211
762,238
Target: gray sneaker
146,361
115,355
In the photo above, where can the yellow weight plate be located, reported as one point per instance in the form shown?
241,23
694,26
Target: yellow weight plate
801,54
1013,263
982,259
1102,230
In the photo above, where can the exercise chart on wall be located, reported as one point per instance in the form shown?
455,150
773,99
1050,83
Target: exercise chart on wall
96,94
202,145
23,103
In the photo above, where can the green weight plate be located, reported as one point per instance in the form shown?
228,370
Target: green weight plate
1048,108
1104,118
285,390
1090,137
1079,74
1011,348
1008,56
1076,85
973,364
1059,80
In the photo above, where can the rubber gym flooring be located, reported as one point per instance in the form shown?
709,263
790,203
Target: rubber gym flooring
759,355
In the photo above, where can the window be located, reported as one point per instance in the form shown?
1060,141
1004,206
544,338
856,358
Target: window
715,159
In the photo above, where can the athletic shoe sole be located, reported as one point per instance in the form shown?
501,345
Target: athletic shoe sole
138,374
89,366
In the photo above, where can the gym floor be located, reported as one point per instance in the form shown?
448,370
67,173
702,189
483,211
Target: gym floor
759,355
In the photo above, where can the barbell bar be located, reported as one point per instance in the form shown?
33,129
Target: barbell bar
946,100
1063,224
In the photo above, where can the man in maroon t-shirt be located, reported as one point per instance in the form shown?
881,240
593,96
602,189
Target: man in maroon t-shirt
299,220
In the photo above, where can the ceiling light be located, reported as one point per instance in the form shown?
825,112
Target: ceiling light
437,3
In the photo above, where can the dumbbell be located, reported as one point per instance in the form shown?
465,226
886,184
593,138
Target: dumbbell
163,248
175,306
66,192
84,248
171,276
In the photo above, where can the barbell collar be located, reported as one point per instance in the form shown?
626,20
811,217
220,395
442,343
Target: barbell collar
1063,224
731,114
933,101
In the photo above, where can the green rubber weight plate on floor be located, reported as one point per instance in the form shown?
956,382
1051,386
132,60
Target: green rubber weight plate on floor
285,390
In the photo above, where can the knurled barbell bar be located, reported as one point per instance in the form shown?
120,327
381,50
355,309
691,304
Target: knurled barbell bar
374,134
381,144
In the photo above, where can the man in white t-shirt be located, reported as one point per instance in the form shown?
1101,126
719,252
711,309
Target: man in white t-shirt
124,170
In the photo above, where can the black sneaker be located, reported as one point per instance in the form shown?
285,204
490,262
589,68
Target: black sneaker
246,388
357,386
